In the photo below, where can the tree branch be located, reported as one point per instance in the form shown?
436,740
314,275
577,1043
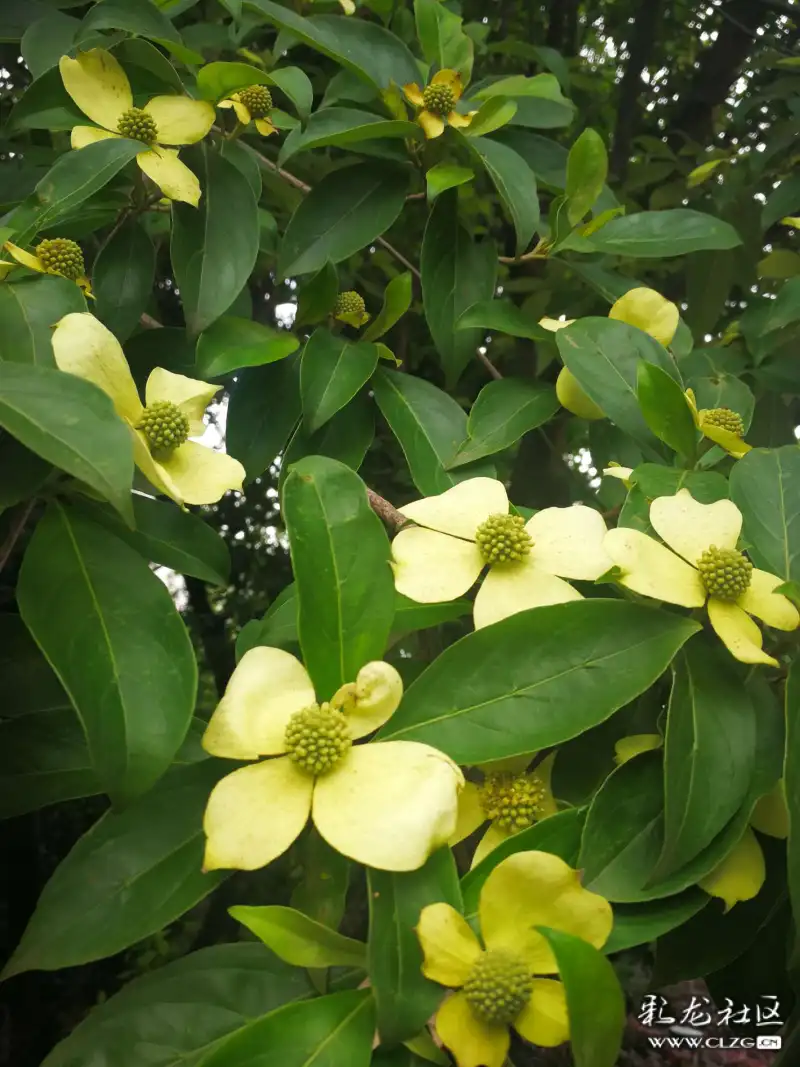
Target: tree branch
644,37
17,526
384,510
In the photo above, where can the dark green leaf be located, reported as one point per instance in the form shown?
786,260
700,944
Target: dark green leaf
444,44
340,557
587,168
410,616
231,343
595,1001
72,424
515,182
404,998
791,776
504,411
211,994
214,248
725,391
295,84
654,480
457,272
346,437
278,628
129,876
47,40
300,940
218,80
29,684
657,234
341,215
23,472
764,486
136,16
122,279
396,302
343,126
444,176
503,317
263,410
486,697
28,310
45,104
317,297
665,409
326,875
111,632
639,924
332,371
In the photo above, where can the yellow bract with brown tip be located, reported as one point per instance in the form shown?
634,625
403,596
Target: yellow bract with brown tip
437,103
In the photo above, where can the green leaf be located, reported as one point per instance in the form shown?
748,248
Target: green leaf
173,538
122,279
791,780
404,998
515,183
396,302
654,480
346,437
725,391
211,237
444,44
231,343
657,234
317,297
45,104
365,48
322,893
665,409
487,698
604,355
410,616
444,176
540,102
72,424
492,114
457,272
325,1032
332,371
543,86
296,85
46,40
29,685
343,126
136,16
503,412
278,627
709,754
263,410
587,169
212,994
595,1001
343,213
340,557
129,876
300,940
111,632
640,924
23,472
28,310
558,834
764,486
217,80
504,317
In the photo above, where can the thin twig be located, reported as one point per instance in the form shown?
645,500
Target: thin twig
384,510
17,526
495,373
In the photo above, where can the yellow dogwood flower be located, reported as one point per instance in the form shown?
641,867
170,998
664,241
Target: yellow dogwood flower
721,425
183,469
100,88
58,256
252,104
468,527
510,798
712,570
499,978
387,805
438,103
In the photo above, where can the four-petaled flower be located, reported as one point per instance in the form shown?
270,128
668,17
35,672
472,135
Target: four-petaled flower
712,569
100,88
387,804
469,526
252,104
184,470
438,103
58,255
498,978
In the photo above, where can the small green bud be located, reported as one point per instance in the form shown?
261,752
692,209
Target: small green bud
725,572
503,538
725,419
349,303
165,426
439,99
512,801
316,738
61,256
498,987
138,125
257,99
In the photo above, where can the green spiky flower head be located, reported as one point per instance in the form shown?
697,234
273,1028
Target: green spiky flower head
61,256
138,124
498,987
317,738
503,539
439,99
725,418
257,99
513,801
165,426
725,572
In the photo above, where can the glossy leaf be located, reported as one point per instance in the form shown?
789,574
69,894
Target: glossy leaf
640,924
503,412
504,317
658,234
396,302
444,176
332,371
457,272
665,409
137,16
410,616
111,632
343,213
122,279
491,115
587,169
763,485
72,424
231,343
28,310
316,297
130,875
278,627
340,557
515,183
444,44
404,998
346,437
654,480
263,410
343,126
213,248
218,80
486,697
299,940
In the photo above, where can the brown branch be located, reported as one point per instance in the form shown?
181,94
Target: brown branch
384,510
17,526
495,373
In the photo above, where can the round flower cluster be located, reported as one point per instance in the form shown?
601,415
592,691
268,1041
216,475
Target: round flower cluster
62,256
498,987
503,538
316,738
512,801
725,572
164,425
138,125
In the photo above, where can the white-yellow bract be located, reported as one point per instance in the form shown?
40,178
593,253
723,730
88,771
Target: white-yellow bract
692,529
100,87
387,804
190,473
439,559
